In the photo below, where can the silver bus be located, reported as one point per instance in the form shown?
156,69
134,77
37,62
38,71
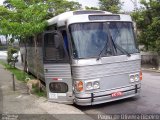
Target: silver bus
87,58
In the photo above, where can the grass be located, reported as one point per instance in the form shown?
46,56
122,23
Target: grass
38,92
21,76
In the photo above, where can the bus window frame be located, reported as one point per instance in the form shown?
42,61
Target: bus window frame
64,59
69,52
103,21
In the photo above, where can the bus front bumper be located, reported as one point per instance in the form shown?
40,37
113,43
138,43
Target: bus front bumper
106,96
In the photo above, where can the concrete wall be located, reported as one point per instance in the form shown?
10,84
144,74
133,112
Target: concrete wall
149,58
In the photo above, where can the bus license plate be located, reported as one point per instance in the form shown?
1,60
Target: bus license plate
116,94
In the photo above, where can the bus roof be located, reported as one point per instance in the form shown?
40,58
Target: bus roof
86,16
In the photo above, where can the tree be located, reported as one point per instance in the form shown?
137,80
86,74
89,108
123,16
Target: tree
148,24
91,8
24,18
146,19
59,6
110,5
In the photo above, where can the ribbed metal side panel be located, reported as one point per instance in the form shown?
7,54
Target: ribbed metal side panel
57,70
107,69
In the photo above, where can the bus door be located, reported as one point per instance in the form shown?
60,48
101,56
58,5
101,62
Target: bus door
57,69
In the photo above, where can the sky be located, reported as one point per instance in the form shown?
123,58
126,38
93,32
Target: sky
1,2
128,5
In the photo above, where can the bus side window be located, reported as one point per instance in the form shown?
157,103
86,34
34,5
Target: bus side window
65,40
53,48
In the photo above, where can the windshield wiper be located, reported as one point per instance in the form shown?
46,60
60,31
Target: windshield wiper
120,48
123,50
99,55
116,45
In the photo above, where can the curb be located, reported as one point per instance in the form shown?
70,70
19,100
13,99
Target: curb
150,70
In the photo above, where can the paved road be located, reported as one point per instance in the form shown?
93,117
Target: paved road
147,103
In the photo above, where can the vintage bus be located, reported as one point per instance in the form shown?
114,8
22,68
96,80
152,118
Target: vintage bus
87,58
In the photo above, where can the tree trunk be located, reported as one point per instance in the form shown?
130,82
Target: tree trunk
7,46
25,56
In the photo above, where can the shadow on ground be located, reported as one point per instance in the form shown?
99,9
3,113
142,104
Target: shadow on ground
104,105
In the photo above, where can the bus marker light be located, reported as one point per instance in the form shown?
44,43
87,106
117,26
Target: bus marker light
79,86
116,94
56,79
140,76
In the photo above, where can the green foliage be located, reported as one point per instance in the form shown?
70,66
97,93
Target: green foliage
148,25
91,8
153,35
24,19
10,52
38,92
60,6
110,5
27,18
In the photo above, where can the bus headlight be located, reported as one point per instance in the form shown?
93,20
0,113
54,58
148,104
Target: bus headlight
89,86
136,77
96,85
92,84
132,78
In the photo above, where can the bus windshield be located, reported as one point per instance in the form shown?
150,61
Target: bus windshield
89,39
